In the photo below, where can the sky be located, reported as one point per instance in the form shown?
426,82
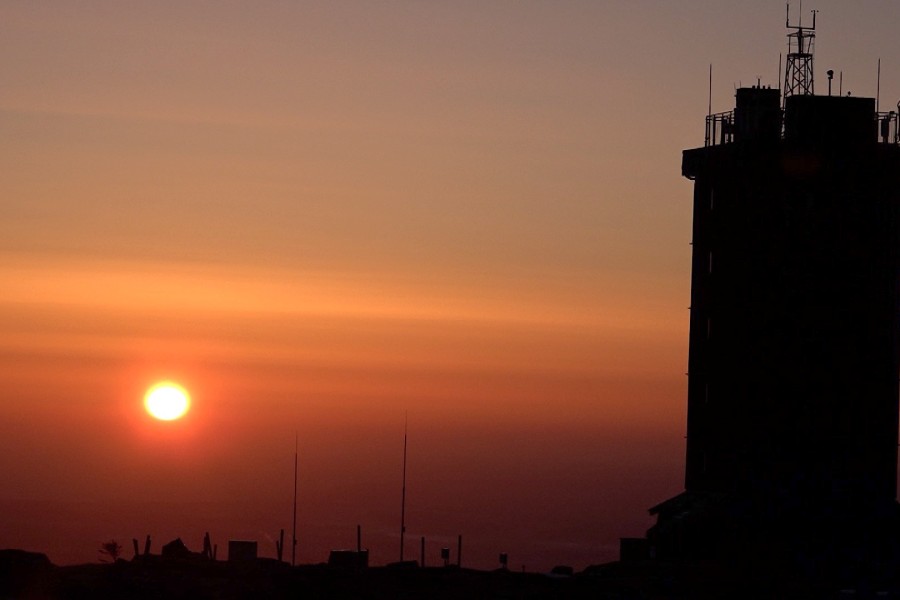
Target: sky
329,219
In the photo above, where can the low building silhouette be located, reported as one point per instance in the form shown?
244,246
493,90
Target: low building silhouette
348,559
242,550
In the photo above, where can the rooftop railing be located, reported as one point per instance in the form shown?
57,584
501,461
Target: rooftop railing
888,127
720,128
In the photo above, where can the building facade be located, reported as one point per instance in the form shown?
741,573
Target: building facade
795,297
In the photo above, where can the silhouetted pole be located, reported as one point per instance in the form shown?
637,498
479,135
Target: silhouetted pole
279,546
137,550
147,545
878,89
459,551
294,530
422,554
403,491
358,539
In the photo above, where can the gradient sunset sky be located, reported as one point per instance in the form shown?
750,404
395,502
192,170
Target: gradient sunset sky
322,216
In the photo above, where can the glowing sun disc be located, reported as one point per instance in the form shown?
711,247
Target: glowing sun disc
167,401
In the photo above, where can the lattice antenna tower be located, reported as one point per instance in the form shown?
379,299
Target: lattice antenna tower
798,73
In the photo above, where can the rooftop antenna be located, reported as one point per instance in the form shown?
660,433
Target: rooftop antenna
798,74
709,105
403,492
294,530
878,88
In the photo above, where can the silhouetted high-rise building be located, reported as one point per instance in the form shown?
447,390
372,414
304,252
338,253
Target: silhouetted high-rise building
794,349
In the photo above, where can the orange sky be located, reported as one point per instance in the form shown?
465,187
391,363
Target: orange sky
320,217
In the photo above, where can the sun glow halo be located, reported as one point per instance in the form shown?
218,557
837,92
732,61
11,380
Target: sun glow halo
167,401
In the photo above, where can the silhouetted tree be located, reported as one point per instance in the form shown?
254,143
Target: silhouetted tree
110,551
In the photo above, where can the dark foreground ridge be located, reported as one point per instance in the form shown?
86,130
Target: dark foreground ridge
29,575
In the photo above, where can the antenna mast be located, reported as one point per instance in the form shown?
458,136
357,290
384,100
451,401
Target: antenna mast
403,492
878,88
294,533
798,74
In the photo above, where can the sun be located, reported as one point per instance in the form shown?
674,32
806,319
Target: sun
167,401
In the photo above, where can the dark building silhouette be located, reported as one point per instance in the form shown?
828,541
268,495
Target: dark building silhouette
242,550
793,359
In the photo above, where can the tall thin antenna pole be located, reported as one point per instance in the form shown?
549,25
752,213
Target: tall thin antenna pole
294,531
878,88
708,136
403,492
